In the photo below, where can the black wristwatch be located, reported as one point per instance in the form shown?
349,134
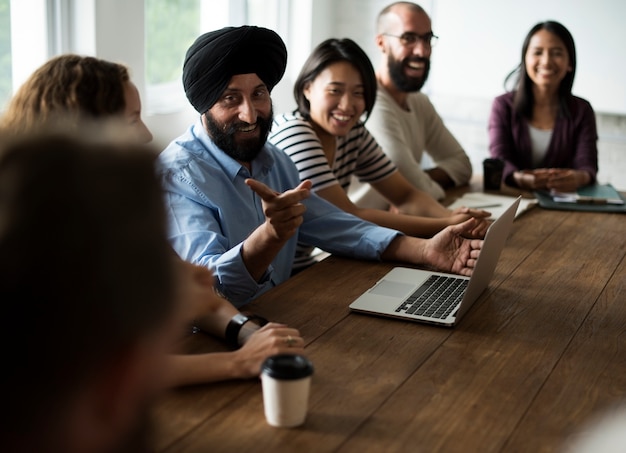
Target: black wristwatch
235,325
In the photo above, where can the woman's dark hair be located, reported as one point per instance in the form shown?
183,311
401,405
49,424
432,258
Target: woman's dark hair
329,52
524,100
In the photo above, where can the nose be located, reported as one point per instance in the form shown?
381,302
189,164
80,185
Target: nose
345,101
247,111
143,133
421,48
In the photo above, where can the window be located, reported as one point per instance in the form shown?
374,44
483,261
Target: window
31,31
6,85
171,26
23,43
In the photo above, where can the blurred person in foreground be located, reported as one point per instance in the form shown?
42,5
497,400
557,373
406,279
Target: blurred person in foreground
74,90
88,289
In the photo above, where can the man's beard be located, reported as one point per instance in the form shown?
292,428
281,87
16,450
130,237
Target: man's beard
242,150
403,82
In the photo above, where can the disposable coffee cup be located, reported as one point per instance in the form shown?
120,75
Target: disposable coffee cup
492,174
286,381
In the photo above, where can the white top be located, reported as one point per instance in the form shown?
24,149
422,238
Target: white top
405,136
539,143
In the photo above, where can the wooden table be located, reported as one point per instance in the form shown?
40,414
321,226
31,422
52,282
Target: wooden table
541,352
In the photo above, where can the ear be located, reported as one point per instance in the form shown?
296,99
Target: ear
306,91
380,42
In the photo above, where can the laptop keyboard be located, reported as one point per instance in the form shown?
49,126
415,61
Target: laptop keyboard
436,298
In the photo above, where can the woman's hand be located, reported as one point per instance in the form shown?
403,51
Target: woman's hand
567,180
532,179
271,339
559,179
461,214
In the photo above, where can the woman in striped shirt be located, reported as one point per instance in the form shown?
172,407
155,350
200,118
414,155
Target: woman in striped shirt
328,142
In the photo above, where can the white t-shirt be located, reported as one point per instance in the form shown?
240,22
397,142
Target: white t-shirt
405,136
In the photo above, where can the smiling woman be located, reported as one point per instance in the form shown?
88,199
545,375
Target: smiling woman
545,135
329,143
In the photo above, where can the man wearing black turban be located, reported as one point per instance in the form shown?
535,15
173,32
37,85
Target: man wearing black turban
248,237
218,55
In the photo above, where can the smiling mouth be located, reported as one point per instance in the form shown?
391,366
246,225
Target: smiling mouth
342,118
416,65
248,128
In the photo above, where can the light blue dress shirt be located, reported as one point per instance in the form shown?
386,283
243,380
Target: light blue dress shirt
211,211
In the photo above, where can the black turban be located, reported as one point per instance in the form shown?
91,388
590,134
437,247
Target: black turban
218,55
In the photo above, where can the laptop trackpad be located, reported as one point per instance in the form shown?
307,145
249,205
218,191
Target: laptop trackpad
392,289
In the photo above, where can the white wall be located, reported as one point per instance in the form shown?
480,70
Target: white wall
480,43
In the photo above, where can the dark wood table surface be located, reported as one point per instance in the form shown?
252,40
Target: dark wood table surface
540,353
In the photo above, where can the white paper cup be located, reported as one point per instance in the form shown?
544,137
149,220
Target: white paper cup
286,381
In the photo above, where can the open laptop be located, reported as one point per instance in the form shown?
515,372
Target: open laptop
435,297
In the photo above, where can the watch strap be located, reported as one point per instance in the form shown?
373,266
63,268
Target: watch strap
236,323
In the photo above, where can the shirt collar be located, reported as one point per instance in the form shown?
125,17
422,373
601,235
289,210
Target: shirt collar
260,166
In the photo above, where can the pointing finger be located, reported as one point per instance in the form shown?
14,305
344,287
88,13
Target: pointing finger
261,189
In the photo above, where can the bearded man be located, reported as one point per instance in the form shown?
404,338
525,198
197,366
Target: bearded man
236,203
403,120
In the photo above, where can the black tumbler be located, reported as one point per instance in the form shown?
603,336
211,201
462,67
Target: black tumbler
492,174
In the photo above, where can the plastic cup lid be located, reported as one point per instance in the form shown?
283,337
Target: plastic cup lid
287,366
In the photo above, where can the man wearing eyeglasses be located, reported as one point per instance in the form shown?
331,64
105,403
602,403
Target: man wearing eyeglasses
403,120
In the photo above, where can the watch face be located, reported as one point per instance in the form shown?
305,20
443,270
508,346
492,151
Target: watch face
240,318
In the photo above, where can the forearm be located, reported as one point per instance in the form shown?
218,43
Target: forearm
189,369
215,323
259,250
406,249
584,178
422,204
411,225
245,362
440,177
424,219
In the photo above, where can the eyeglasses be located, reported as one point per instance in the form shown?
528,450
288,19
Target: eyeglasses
410,39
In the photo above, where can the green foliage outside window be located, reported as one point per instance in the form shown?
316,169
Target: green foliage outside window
171,27
5,53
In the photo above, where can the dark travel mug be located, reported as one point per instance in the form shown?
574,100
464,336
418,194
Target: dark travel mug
492,174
